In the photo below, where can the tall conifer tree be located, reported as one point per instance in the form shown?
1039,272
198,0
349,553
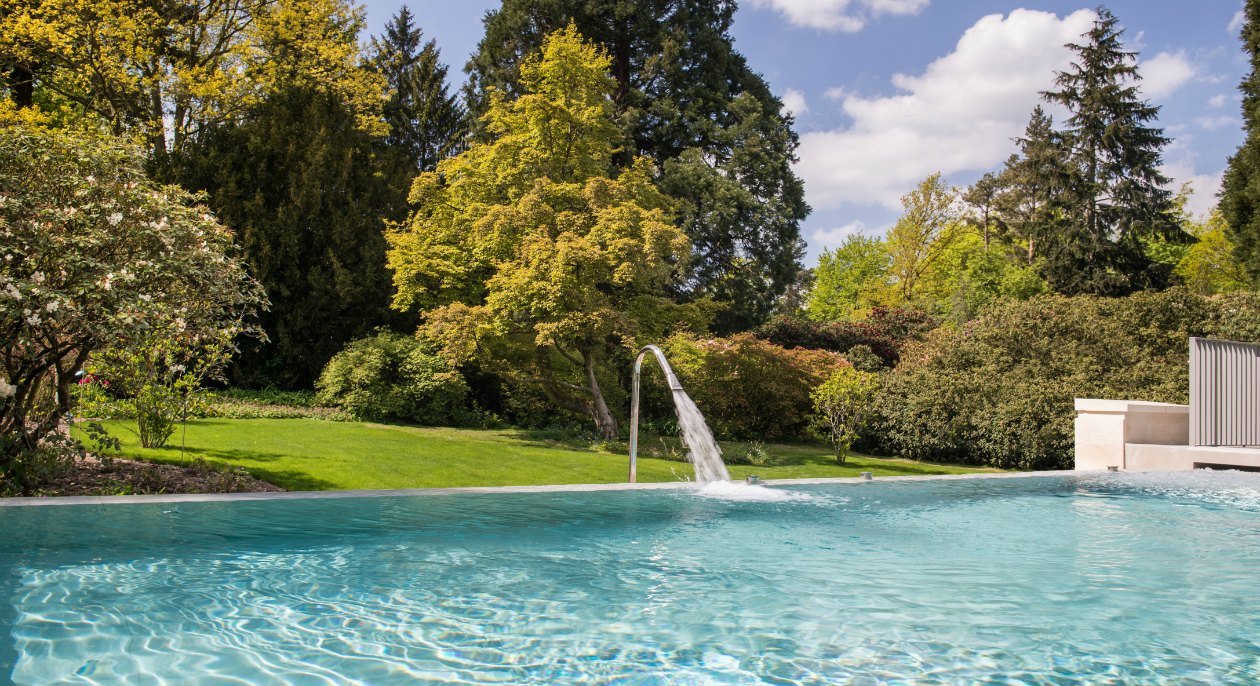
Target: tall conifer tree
426,122
1240,195
1116,194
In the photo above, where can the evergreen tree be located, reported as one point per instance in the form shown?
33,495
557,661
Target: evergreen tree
299,183
1240,194
687,100
1034,181
426,122
1116,193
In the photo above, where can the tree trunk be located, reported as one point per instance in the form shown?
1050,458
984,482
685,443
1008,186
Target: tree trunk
604,419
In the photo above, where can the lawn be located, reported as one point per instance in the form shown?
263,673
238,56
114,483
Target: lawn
311,454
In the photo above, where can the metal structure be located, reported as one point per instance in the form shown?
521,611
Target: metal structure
1224,393
674,385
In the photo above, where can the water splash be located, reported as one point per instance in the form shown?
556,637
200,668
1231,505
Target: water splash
702,450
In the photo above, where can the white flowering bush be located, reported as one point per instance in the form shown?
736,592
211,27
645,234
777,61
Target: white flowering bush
95,257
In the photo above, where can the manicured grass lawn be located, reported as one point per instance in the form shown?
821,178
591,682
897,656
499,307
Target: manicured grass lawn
311,454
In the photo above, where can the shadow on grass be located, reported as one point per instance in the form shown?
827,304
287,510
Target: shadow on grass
288,479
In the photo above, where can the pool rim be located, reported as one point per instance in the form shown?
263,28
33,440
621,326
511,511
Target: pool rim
43,501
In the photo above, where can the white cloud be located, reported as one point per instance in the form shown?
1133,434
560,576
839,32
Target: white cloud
839,15
836,93
1213,123
1217,101
794,102
830,238
1165,73
1180,166
1236,24
960,114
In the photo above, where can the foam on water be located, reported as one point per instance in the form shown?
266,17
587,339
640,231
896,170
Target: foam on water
738,490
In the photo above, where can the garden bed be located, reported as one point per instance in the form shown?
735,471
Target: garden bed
94,476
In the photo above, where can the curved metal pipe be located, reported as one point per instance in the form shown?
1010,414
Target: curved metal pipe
674,385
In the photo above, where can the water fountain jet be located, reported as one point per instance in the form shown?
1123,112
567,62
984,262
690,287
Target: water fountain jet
703,451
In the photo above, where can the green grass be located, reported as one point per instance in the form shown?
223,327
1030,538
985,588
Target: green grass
310,454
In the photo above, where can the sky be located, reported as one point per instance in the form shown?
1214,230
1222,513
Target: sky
887,92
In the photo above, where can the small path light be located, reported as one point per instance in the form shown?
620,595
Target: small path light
752,480
867,476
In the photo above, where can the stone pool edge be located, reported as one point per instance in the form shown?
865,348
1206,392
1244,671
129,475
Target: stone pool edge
37,501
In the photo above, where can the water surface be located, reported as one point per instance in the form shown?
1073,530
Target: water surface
1118,579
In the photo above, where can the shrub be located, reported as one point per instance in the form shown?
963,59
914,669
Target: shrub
842,404
749,388
885,332
95,257
390,377
1000,390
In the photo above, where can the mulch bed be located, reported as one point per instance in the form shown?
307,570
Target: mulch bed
114,476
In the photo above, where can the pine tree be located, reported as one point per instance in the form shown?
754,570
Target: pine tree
687,100
1034,181
1116,193
1240,194
427,123
300,185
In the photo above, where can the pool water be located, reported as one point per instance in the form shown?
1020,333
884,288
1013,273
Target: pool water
1116,579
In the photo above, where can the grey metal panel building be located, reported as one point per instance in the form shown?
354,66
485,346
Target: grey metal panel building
1224,393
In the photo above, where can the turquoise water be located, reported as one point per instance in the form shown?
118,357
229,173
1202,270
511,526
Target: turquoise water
1116,579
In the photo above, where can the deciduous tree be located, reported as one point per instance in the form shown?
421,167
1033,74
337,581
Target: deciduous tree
686,99
524,249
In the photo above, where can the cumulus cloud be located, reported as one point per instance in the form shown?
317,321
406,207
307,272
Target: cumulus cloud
1165,73
1236,24
839,15
1217,101
959,115
794,102
836,93
830,238
1181,166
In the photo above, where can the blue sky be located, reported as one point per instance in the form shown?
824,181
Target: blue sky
887,92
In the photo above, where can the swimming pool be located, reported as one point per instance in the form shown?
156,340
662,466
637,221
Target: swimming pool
1113,578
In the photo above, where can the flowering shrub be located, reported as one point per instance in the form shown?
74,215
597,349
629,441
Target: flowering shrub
748,388
95,257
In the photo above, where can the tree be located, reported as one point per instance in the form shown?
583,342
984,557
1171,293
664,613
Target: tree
1240,192
165,71
526,252
96,256
1116,192
426,124
686,99
922,234
849,280
301,183
1034,182
1210,265
842,404
984,197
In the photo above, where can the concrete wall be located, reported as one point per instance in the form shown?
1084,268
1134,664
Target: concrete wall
1105,427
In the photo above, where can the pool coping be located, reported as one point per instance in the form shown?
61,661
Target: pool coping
37,501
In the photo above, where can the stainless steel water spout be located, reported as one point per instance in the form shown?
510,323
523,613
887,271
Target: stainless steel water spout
674,385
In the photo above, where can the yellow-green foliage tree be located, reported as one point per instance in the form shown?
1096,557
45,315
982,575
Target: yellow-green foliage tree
163,71
923,234
526,252
1211,265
